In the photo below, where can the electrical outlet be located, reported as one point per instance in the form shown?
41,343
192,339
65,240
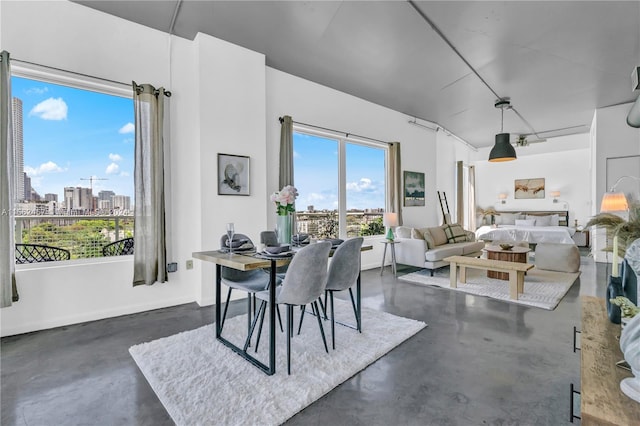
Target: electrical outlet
189,264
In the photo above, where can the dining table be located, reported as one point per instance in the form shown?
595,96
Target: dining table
247,261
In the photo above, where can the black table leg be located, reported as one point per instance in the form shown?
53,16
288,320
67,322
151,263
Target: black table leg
218,304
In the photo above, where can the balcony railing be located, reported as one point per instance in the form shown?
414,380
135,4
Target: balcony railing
83,235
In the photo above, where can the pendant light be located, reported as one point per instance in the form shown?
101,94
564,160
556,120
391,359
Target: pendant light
502,150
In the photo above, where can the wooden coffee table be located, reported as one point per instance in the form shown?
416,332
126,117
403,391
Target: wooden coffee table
515,254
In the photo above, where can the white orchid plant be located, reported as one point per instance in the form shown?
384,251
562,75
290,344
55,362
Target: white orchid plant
285,199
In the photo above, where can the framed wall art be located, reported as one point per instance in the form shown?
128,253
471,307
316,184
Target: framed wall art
233,174
529,188
413,189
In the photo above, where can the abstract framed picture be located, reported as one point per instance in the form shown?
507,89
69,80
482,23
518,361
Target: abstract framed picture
233,174
529,188
413,189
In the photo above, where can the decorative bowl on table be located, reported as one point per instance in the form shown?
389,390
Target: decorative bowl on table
506,246
277,249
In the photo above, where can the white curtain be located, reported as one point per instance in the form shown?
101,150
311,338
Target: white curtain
394,182
471,211
149,258
8,290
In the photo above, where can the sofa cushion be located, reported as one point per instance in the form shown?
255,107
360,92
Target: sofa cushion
428,238
472,247
455,233
417,234
403,232
442,251
438,235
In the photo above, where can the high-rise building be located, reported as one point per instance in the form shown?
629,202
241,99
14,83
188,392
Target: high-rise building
77,199
26,188
18,152
122,202
105,195
51,197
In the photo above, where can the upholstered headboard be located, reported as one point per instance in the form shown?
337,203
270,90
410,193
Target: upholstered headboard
562,214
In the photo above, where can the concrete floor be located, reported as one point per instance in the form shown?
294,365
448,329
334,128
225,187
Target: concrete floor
479,362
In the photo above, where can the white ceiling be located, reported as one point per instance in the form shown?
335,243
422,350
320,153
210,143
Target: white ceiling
557,61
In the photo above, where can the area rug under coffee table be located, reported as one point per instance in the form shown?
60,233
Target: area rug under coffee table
542,289
202,382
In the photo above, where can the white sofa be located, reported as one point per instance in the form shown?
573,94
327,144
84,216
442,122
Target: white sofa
426,247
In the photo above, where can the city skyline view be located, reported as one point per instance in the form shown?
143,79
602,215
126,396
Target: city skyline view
71,135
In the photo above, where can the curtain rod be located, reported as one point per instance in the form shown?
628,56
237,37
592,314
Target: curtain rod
167,93
280,119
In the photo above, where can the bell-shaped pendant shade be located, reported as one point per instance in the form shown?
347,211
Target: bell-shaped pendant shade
502,150
633,119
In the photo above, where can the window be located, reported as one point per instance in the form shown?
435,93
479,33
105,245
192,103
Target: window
74,161
341,184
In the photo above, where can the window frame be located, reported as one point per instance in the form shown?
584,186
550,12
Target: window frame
82,82
343,139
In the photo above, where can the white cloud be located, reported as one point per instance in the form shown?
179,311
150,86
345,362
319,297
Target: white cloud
127,128
112,168
48,167
124,174
363,184
51,109
314,196
37,90
128,140
115,157
296,154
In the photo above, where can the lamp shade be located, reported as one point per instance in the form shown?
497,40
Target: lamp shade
502,196
555,194
390,219
502,150
614,202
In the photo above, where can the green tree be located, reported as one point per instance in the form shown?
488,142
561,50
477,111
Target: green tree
375,227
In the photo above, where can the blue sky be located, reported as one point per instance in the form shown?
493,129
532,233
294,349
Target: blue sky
70,134
316,174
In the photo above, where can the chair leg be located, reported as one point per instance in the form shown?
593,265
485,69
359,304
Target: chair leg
314,306
263,307
302,309
252,328
289,320
333,322
249,316
323,306
226,306
279,318
355,310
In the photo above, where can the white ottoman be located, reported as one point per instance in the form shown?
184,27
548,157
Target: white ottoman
558,257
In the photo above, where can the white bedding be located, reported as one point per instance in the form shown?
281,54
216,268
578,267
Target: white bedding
531,234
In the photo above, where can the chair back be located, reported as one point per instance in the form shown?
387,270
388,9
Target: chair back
231,273
269,238
345,265
118,248
306,277
34,253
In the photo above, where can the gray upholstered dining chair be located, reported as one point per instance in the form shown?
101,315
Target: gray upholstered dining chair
343,274
270,239
304,283
249,281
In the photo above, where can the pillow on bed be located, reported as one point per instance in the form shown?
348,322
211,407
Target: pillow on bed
508,218
542,220
525,222
555,220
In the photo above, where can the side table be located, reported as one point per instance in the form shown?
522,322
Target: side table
515,254
392,245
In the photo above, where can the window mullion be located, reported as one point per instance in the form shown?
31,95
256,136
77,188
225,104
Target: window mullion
342,189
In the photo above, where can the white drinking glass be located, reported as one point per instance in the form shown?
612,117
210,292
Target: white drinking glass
230,232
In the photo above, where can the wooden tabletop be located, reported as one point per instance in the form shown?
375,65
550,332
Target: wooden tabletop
603,403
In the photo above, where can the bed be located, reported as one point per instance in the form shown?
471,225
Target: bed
531,226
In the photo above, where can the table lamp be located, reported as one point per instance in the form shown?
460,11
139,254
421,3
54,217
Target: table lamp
390,220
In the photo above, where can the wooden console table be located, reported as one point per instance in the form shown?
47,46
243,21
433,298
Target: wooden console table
602,401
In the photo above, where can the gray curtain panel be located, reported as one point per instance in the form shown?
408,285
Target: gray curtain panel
394,181
286,158
149,257
472,198
8,289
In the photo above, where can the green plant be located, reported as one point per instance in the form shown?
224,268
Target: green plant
628,309
375,227
627,230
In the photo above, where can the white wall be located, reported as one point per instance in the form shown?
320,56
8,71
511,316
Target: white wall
311,103
613,138
567,171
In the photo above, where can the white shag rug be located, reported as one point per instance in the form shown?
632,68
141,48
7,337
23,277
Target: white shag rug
202,382
542,289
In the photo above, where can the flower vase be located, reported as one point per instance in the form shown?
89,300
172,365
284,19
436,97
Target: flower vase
284,229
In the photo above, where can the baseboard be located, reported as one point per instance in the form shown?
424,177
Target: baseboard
93,316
